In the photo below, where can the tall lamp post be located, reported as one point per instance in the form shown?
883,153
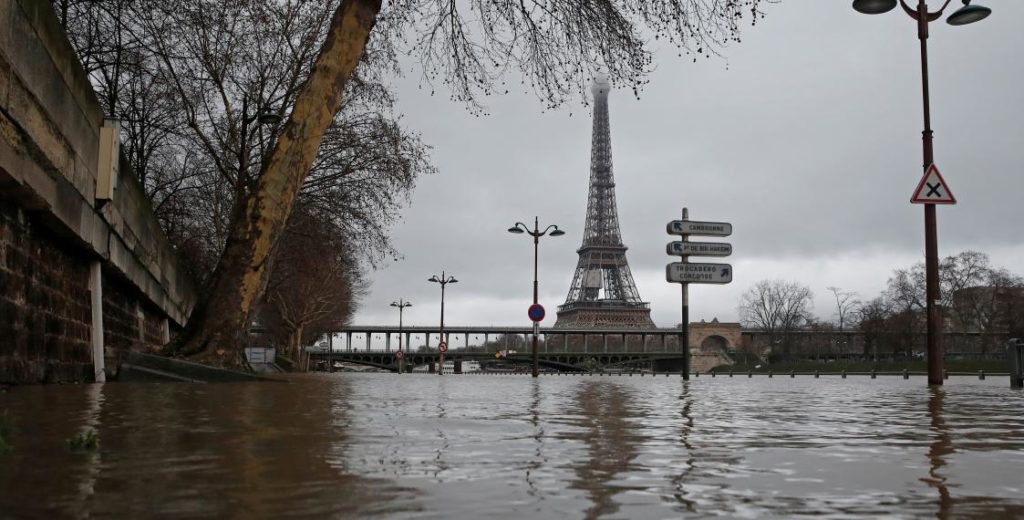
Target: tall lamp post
965,15
401,304
536,234
443,280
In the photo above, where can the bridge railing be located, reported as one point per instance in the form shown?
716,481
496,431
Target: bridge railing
491,339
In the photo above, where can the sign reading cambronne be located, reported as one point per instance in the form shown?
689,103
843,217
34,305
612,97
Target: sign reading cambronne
692,227
682,272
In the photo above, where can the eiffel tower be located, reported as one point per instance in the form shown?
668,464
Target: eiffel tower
602,294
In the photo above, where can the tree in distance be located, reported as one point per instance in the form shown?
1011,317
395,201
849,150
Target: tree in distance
777,307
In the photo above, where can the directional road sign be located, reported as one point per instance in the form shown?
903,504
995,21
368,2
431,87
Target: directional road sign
536,312
442,347
682,272
692,227
699,248
932,189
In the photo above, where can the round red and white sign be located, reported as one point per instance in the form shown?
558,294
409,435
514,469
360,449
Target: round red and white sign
442,347
399,354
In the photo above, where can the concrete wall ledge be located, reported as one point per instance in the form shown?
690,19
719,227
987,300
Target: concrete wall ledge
50,120
181,370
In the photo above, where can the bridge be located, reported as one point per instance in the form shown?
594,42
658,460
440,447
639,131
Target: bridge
563,349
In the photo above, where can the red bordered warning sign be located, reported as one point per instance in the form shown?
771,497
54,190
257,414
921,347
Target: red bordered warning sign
932,189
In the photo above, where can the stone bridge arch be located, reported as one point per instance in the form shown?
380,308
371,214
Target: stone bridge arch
711,342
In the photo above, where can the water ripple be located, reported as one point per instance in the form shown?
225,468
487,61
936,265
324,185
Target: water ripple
470,446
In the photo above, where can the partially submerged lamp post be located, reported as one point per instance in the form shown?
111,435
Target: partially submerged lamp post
965,15
401,304
442,345
536,234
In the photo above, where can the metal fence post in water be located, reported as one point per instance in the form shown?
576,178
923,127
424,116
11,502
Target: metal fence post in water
1016,348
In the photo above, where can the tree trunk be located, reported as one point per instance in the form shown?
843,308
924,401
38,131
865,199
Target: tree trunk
300,352
217,325
293,348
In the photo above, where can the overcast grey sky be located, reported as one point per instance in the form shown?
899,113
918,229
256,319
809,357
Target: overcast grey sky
806,137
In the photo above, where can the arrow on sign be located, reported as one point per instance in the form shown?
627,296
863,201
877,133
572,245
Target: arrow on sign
692,227
699,248
932,189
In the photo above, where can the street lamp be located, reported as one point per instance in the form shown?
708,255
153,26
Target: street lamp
443,280
965,15
401,304
536,234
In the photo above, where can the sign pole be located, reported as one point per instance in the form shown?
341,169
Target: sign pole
931,255
684,341
685,273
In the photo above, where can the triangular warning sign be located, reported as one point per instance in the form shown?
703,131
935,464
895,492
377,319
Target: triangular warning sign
932,189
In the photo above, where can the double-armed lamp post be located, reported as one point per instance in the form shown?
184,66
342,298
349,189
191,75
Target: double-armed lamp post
536,234
965,15
442,345
401,304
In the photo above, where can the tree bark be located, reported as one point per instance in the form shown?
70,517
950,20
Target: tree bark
218,324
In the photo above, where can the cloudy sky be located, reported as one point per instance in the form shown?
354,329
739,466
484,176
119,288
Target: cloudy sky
806,137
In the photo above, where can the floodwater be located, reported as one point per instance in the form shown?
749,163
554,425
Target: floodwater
350,445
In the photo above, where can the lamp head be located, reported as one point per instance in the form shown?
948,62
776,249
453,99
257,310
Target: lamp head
873,6
394,304
557,232
968,14
433,279
452,280
515,229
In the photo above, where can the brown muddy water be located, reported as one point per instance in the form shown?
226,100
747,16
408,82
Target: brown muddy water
473,446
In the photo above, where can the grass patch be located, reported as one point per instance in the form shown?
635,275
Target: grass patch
84,441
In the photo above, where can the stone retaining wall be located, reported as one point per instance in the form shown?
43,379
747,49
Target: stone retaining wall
53,230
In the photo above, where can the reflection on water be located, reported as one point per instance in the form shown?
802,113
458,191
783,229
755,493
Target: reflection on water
603,408
377,445
941,448
183,451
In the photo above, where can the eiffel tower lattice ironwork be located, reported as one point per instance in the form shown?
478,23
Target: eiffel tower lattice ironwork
602,293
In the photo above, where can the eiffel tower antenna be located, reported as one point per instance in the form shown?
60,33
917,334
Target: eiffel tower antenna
602,294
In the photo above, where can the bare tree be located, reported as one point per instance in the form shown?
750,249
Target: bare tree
201,87
846,304
314,283
777,307
874,322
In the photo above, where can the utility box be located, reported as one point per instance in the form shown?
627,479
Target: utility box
109,159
